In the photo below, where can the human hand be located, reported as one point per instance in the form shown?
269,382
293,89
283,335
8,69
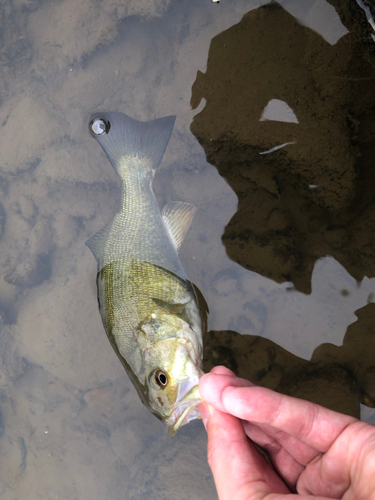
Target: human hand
316,453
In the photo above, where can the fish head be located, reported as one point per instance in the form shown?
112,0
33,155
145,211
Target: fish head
174,366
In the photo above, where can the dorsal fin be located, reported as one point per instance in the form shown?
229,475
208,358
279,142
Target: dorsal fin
97,241
177,216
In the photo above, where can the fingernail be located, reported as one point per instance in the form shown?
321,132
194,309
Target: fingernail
205,413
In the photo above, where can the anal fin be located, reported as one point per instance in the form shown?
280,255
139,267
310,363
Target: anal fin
177,216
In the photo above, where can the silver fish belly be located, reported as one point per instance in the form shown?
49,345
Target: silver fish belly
149,308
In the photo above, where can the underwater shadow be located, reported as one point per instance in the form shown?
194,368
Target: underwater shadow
315,196
291,128
337,377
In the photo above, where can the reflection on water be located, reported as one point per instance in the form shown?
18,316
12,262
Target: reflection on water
297,223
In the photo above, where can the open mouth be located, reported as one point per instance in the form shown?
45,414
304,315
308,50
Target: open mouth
185,411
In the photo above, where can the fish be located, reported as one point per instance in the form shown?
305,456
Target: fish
153,315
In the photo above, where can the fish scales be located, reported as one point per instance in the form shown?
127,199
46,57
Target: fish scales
137,230
129,289
149,308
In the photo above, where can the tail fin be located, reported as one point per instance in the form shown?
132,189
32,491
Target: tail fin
130,142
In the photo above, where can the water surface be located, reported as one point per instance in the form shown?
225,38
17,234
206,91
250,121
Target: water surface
281,246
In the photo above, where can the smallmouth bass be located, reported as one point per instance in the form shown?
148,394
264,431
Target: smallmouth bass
153,315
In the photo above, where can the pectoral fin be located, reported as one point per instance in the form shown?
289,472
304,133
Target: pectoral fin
174,308
177,216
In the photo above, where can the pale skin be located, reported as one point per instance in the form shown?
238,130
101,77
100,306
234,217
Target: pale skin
316,453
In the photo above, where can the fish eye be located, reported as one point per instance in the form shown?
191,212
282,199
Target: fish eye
161,378
99,126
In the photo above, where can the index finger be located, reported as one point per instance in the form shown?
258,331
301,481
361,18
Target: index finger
239,470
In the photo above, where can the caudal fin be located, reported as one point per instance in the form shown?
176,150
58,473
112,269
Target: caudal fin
130,142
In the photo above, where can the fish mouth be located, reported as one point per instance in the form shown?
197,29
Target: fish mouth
185,411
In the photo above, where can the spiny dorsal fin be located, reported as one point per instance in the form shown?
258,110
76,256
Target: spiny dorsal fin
177,216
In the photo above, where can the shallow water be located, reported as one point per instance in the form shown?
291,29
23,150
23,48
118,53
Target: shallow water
281,246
